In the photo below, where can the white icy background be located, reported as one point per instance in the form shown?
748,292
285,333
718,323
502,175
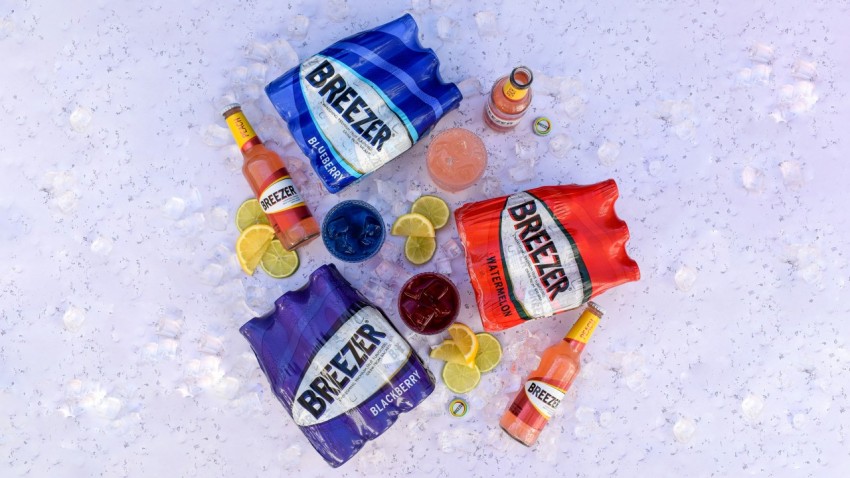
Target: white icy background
724,126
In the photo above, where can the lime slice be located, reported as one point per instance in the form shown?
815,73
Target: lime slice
448,352
412,224
251,246
277,262
419,250
250,213
465,340
434,208
460,378
489,352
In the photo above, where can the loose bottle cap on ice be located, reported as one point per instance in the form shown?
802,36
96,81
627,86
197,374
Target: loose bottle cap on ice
230,107
599,310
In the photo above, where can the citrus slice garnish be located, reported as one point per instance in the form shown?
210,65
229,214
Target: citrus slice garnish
460,378
277,262
465,340
419,250
252,244
489,352
412,224
448,352
250,213
434,208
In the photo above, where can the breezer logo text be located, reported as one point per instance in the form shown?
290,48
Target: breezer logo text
341,370
540,248
349,104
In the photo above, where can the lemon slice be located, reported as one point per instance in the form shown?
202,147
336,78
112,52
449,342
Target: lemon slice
251,246
277,262
434,208
465,340
419,250
250,213
448,352
489,352
412,224
460,378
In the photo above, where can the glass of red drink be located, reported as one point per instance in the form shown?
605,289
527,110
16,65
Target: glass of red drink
428,303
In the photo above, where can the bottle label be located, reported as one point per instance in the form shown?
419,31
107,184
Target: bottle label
545,272
513,92
499,121
365,128
240,128
583,328
538,400
361,357
280,196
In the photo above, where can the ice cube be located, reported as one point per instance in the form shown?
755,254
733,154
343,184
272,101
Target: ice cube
212,274
685,278
586,415
685,130
752,406
80,119
337,10
252,91
560,145
446,28
73,318
519,174
753,179
526,152
488,23
257,51
216,136
655,168
338,227
238,76
573,106
344,244
762,73
297,27
257,72
420,5
452,248
470,87
66,202
290,457
799,420
792,174
210,344
684,429
101,246
762,53
219,218
804,70
283,54
441,5
608,153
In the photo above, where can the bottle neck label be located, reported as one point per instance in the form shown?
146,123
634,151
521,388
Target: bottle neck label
513,92
240,128
583,328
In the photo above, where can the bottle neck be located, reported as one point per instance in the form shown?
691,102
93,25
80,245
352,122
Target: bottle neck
583,329
242,131
518,84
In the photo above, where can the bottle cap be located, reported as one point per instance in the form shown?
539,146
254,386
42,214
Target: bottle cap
458,407
230,107
599,310
542,126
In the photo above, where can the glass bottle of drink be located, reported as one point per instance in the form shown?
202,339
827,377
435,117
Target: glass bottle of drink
266,173
509,100
546,386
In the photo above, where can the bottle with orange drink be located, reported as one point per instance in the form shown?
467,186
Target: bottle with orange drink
544,389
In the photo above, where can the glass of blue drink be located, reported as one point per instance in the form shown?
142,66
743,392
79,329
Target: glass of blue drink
353,231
